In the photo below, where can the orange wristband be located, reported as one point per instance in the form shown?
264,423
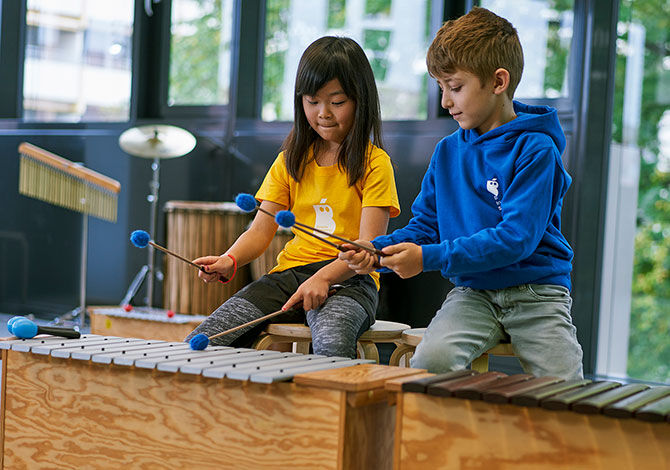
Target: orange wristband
234,270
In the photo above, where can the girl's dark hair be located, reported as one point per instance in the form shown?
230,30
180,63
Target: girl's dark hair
326,59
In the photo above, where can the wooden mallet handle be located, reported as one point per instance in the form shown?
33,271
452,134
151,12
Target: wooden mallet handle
258,320
374,251
201,268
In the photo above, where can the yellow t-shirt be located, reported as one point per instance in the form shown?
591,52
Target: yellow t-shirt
323,199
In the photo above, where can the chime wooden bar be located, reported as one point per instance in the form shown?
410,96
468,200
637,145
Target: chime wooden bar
491,420
53,179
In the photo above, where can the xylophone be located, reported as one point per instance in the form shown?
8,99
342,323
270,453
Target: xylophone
106,402
469,420
142,322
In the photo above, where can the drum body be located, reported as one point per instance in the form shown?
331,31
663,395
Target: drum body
194,229
268,260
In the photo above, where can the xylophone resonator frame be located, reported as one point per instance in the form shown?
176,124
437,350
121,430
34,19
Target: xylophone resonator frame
84,407
465,420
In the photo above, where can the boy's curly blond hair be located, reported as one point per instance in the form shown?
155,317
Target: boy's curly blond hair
479,42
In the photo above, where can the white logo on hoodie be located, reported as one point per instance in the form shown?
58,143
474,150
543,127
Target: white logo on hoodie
492,187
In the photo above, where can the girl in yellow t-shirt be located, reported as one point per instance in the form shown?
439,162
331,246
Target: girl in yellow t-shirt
332,177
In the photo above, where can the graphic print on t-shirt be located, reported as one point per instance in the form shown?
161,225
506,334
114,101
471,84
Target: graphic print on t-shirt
324,218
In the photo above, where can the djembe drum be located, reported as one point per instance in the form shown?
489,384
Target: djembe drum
198,229
268,260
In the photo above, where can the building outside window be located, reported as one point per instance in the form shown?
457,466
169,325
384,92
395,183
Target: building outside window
394,34
77,60
201,33
545,32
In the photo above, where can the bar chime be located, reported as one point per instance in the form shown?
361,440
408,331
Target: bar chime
58,181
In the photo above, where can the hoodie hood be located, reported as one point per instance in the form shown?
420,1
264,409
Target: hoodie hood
529,118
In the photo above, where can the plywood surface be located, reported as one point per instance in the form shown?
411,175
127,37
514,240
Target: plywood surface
434,432
354,379
70,414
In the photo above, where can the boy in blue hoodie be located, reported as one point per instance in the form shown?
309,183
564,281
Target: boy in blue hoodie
489,212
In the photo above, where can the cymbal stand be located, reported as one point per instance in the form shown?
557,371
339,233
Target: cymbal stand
148,271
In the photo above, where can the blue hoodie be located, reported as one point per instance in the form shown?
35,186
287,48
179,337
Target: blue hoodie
489,212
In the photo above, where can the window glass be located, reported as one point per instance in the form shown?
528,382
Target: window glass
635,307
78,60
394,34
545,31
201,31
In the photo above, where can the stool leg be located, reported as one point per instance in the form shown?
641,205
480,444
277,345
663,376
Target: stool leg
481,364
262,342
368,350
302,347
398,354
408,357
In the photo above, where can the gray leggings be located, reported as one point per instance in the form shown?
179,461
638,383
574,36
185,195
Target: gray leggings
335,326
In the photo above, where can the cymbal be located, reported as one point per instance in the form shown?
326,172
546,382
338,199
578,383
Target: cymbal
157,141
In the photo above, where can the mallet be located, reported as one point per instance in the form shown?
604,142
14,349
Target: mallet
286,218
141,239
200,341
24,328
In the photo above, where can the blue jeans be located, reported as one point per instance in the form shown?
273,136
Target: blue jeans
535,317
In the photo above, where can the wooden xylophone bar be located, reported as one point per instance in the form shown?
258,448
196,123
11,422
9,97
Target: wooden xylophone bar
527,422
102,402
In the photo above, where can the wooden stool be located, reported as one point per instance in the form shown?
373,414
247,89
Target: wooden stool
409,340
381,332
412,337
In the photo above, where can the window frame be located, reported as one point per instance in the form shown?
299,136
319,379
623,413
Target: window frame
12,31
586,112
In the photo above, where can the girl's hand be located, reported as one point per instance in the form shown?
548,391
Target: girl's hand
405,259
313,293
216,266
360,261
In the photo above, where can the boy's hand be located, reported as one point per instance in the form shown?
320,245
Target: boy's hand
359,261
313,293
216,267
405,259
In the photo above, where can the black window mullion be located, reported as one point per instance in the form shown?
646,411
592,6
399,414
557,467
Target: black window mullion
12,53
150,60
249,70
593,136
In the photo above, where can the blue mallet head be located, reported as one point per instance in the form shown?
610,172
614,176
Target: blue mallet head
140,238
285,219
24,328
199,342
11,322
246,202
